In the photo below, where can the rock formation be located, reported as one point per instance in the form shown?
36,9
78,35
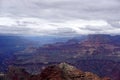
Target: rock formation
62,71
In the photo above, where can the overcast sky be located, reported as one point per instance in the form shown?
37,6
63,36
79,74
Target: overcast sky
59,17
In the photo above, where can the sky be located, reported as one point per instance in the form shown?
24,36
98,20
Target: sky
59,17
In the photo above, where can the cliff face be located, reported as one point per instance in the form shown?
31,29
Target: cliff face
61,71
93,45
96,53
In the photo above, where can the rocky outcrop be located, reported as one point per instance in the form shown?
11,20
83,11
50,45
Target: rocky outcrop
62,71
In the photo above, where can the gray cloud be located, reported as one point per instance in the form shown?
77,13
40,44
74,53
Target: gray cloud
61,11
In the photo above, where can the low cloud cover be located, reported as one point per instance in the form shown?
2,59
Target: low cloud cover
59,17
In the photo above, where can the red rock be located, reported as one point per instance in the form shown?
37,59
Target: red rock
62,71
